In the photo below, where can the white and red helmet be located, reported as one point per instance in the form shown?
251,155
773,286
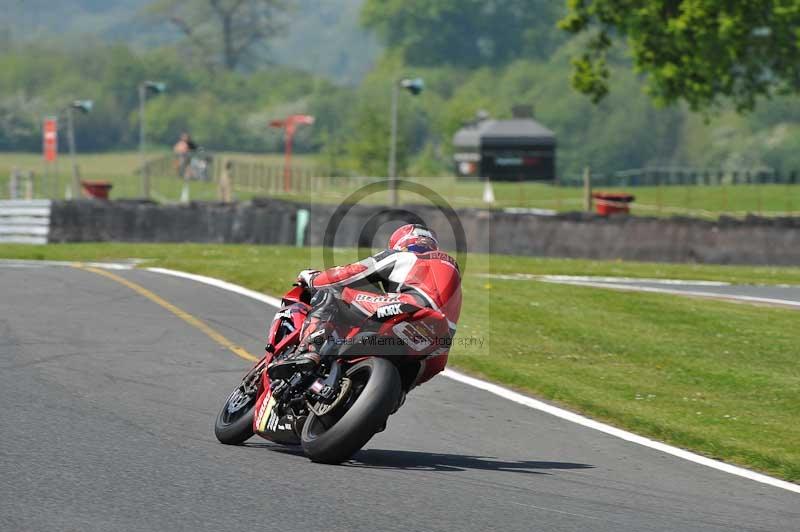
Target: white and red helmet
415,238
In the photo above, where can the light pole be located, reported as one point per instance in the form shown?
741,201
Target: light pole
84,106
414,86
145,87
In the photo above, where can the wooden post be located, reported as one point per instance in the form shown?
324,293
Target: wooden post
225,188
657,173
13,184
587,189
688,188
29,185
760,202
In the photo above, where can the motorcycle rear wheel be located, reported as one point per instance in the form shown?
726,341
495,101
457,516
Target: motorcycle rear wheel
376,388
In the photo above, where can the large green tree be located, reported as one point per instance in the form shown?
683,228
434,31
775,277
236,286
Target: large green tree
464,33
703,52
224,31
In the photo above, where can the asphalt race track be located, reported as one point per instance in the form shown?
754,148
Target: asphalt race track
108,402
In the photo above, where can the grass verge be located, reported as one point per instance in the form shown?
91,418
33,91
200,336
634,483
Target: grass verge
715,377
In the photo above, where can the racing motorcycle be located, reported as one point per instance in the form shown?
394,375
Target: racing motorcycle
366,370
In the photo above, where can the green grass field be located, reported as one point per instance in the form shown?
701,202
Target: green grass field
696,201
719,378
119,168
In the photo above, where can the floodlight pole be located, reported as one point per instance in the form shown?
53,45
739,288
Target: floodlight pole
76,181
414,86
393,147
142,161
157,87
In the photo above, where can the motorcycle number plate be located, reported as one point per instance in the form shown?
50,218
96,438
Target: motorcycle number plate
411,336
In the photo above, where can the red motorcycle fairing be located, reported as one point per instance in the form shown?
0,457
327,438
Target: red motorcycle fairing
284,332
421,329
285,328
297,294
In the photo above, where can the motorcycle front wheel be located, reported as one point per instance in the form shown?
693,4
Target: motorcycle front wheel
234,423
374,394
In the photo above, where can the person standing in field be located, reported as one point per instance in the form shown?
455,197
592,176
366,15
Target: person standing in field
183,151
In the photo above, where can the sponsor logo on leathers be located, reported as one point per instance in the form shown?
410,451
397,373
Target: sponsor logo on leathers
388,310
376,299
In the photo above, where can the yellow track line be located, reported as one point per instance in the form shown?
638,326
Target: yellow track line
182,314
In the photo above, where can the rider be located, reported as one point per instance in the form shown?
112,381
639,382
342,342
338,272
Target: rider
412,270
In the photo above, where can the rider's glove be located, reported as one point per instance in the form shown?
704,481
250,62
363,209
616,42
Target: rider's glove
305,278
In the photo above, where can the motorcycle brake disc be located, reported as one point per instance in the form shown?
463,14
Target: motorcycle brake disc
321,409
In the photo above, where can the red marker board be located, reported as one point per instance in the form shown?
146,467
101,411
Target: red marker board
50,139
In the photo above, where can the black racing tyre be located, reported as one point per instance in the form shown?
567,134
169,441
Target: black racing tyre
375,393
234,423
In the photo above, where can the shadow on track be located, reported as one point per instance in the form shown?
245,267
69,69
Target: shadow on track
422,461
415,460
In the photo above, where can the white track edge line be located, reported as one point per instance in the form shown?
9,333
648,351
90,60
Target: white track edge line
623,280
219,283
618,433
697,293
524,400
42,263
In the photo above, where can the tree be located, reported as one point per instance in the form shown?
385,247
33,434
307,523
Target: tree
19,123
702,52
369,126
225,31
465,33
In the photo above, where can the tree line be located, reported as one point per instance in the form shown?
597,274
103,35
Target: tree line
668,82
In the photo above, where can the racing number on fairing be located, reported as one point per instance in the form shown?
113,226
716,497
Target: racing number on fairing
411,335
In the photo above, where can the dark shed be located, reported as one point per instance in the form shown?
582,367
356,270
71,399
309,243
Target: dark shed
520,149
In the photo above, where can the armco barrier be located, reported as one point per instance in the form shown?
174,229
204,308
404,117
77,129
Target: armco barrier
145,221
24,221
767,241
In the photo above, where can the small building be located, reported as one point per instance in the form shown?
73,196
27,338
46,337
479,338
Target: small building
519,149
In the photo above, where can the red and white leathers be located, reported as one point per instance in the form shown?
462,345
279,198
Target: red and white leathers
429,279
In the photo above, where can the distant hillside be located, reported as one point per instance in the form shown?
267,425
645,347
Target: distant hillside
325,38
29,19
322,36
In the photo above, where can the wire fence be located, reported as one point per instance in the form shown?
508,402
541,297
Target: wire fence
272,180
686,176
703,192
658,191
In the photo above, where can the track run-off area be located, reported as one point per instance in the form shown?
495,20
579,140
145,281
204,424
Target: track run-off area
110,380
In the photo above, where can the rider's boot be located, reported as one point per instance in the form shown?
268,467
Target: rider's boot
305,358
317,328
